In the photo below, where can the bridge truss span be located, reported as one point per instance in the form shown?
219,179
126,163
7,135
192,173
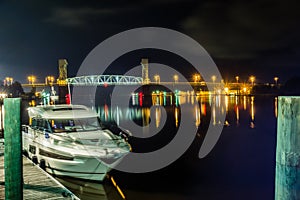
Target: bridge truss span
99,80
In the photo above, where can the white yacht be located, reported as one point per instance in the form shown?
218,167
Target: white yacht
68,140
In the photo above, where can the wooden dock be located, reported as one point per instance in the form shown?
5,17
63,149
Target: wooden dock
37,183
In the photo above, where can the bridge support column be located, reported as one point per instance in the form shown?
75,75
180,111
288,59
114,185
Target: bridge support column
62,83
145,71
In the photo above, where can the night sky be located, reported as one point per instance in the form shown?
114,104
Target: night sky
254,37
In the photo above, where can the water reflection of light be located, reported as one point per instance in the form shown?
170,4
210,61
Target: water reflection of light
157,116
182,99
176,116
218,100
192,97
226,103
145,116
276,106
106,112
240,106
140,98
160,99
252,108
214,114
252,125
245,103
134,99
237,115
197,115
203,109
176,100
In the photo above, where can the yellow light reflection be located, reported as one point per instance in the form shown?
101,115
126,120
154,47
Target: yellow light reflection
252,125
252,108
197,116
214,115
176,116
146,116
157,116
237,115
192,98
245,103
226,103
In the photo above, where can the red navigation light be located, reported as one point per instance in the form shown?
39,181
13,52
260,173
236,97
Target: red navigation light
140,98
68,99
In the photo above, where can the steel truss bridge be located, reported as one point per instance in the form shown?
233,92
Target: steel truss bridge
105,80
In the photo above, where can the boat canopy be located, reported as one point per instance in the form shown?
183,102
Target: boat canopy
62,111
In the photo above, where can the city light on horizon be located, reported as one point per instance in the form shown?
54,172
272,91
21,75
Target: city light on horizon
31,79
276,79
252,79
175,77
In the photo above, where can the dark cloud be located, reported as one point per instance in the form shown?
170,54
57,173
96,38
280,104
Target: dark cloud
76,17
243,30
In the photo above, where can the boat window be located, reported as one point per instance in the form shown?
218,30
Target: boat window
46,126
74,125
40,124
34,122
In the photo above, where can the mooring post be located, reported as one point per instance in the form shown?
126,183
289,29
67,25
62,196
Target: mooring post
287,183
13,149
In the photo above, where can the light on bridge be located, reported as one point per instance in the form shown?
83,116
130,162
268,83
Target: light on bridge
237,79
252,79
175,77
9,80
196,77
31,79
157,79
213,78
276,79
226,90
49,80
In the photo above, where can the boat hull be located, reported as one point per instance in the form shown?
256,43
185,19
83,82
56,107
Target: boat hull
63,161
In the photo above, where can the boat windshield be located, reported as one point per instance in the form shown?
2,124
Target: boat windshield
75,125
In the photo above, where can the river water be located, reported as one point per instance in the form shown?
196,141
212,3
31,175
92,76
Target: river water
240,166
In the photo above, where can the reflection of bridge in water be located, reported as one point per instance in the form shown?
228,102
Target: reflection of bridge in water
237,108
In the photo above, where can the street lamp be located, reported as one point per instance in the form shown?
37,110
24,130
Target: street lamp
237,79
49,80
9,80
31,79
157,79
252,79
237,84
213,78
175,78
196,77
276,79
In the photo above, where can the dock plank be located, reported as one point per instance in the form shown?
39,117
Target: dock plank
37,183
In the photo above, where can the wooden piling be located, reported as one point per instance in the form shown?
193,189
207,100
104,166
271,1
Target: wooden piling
287,183
13,149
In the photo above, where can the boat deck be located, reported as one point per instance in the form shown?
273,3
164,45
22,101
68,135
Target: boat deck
37,183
